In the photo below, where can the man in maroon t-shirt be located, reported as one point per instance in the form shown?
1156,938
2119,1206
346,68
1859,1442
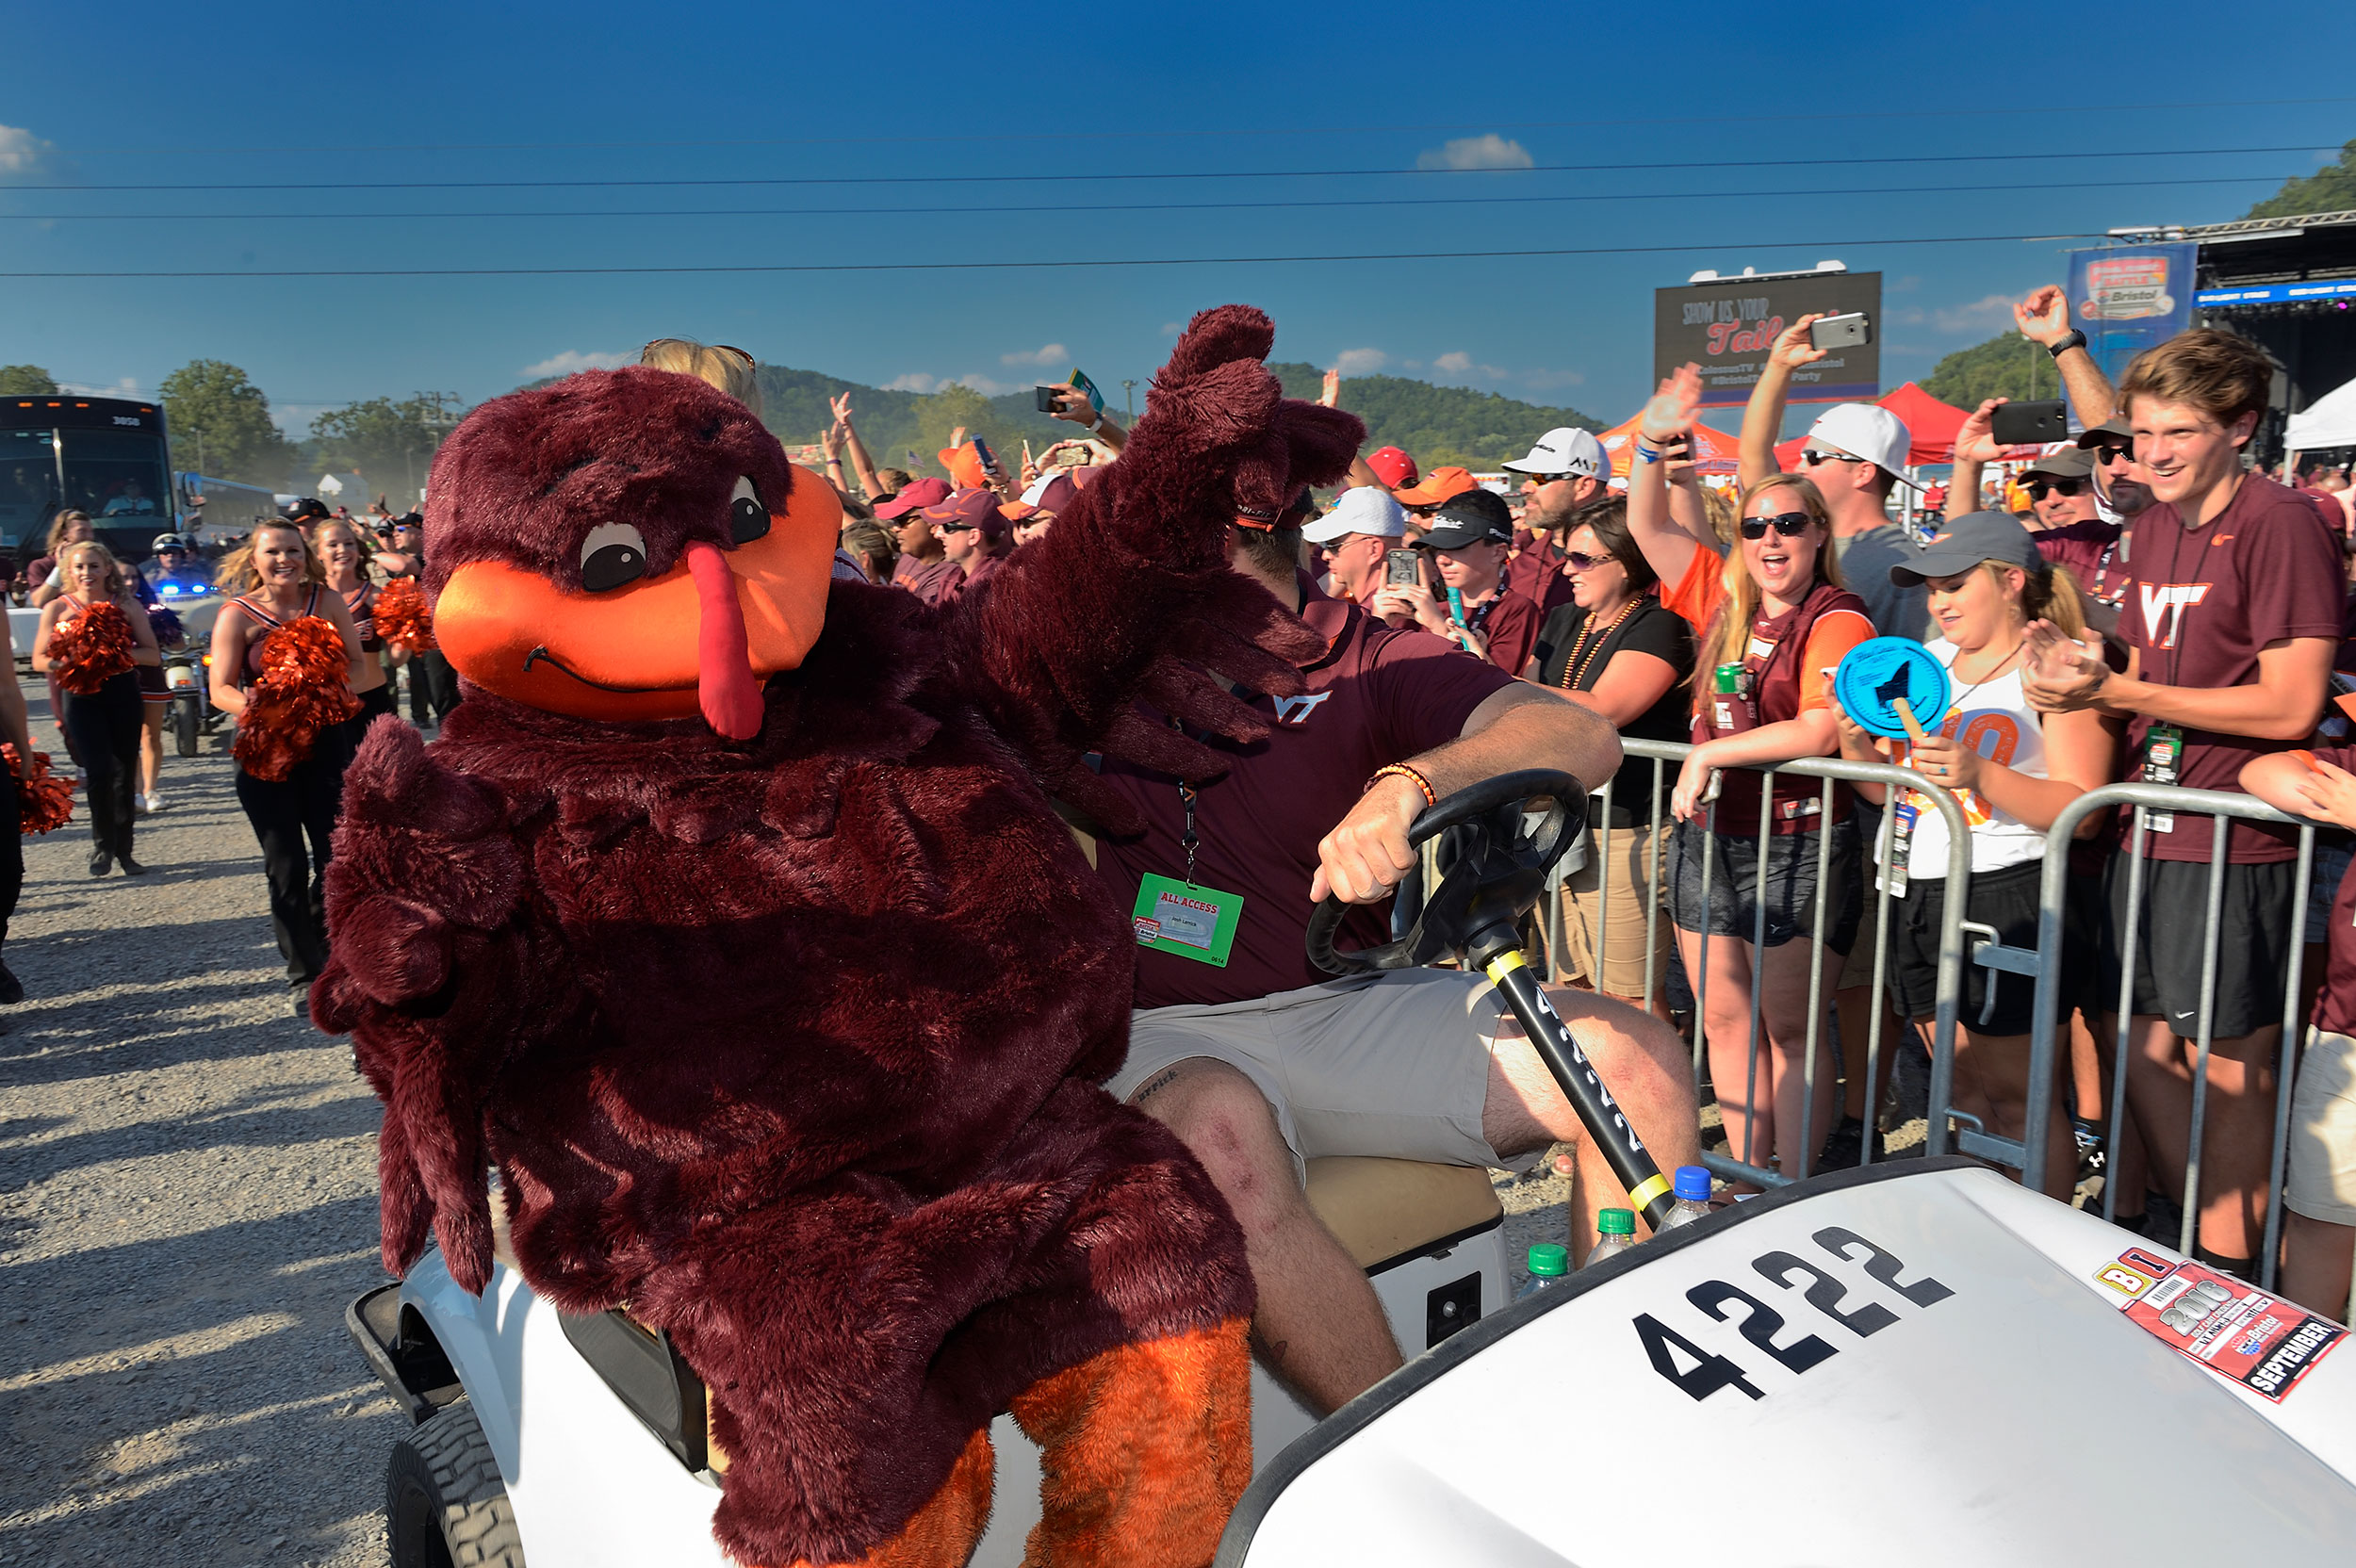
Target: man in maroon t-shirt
975,538
1263,1062
2231,617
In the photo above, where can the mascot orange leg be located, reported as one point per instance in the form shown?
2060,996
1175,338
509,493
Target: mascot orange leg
1146,1449
946,1530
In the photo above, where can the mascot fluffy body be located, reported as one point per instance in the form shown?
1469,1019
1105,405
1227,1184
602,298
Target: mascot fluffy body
728,920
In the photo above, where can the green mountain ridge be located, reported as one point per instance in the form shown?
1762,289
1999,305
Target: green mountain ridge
1435,424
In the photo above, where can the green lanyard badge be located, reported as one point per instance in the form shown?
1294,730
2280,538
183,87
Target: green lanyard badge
1182,918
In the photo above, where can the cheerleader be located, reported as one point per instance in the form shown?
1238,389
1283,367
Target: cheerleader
337,546
286,658
91,639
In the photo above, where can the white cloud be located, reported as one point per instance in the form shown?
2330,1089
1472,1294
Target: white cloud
1990,313
1053,353
1360,362
1456,364
572,361
1476,152
21,153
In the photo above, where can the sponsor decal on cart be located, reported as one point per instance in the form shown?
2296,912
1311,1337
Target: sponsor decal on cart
2235,1330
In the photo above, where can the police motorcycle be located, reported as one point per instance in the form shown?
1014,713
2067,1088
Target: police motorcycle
1918,1360
191,596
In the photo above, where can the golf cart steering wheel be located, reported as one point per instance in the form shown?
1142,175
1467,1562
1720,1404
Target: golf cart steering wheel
1491,866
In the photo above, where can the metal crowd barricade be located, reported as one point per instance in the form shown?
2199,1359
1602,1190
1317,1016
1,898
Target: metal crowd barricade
1829,770
2028,1155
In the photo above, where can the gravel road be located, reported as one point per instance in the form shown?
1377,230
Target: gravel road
187,1202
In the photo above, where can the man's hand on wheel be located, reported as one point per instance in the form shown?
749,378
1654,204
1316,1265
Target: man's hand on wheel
1364,856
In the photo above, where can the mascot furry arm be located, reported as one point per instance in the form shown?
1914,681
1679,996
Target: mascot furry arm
728,919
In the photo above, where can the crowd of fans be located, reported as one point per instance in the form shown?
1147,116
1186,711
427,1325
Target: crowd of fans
2139,603
2200,653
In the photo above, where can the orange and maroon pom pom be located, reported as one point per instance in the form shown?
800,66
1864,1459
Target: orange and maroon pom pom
304,691
402,615
46,802
90,649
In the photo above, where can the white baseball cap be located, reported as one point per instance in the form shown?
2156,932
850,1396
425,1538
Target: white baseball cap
1565,450
1361,509
1866,430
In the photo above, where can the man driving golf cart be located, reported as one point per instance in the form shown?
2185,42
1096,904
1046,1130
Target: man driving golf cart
1259,1062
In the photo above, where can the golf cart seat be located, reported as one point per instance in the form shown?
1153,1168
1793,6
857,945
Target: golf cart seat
1387,1210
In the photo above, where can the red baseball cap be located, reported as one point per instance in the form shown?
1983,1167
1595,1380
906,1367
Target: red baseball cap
1392,466
974,509
923,492
1050,495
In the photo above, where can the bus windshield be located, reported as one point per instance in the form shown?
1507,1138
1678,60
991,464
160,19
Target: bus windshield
116,474
28,484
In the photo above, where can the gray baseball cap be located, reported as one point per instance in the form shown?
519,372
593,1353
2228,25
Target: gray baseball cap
1963,543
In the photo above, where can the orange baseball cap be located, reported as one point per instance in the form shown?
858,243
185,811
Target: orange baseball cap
1437,486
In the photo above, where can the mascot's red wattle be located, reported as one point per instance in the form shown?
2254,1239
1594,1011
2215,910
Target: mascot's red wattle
729,919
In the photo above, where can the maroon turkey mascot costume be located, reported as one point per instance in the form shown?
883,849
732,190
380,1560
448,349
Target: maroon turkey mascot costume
729,921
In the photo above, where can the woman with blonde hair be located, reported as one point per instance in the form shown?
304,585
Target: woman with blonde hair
276,669
2013,770
730,369
93,637
344,567
1772,621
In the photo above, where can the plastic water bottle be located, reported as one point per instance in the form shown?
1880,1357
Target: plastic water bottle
1693,1190
1549,1262
1616,1232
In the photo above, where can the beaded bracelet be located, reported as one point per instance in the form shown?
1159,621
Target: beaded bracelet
1401,769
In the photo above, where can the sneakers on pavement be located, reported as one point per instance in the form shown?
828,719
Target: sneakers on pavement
155,801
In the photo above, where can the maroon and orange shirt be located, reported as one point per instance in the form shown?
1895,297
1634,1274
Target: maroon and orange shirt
1375,697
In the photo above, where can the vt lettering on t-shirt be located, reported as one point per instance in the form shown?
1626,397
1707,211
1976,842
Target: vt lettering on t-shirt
2202,604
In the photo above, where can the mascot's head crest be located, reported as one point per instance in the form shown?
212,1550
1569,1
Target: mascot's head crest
626,545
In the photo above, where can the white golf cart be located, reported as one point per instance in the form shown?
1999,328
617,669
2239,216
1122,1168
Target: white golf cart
1918,1362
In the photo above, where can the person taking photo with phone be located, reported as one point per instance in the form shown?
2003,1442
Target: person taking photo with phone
1774,621
2233,617
1358,538
1856,455
1469,604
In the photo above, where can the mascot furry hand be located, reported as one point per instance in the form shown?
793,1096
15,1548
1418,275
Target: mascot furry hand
728,919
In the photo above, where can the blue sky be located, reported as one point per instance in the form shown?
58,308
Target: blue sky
1435,129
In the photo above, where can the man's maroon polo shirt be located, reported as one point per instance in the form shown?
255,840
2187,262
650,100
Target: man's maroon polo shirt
1376,696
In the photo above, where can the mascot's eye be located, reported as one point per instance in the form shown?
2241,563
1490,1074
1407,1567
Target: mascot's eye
614,554
747,518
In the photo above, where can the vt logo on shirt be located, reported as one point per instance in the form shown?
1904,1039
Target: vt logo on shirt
1295,711
2165,603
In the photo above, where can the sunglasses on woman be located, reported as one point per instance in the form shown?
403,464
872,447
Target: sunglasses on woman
2065,487
1579,561
1791,525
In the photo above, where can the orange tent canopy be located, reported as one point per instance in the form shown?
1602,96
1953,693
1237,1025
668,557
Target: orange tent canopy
1714,452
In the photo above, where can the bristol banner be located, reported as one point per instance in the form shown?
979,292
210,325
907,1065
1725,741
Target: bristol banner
2128,298
1726,326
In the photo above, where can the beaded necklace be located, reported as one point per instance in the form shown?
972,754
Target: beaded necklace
1575,668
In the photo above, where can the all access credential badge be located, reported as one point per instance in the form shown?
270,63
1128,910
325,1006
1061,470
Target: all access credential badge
1194,922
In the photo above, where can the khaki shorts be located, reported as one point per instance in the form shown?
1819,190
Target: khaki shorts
2322,1183
1395,1066
1620,912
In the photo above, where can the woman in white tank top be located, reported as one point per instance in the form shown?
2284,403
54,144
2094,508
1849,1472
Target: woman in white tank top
2012,769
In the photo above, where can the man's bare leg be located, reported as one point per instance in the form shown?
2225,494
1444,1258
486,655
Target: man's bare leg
2317,1257
1648,1070
1319,1327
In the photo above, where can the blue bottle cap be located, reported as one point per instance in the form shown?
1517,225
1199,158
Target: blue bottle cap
1879,672
1693,1182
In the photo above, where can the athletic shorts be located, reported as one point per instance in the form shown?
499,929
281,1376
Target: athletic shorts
2006,900
1394,1066
1790,894
151,689
2256,926
2085,915
2322,1183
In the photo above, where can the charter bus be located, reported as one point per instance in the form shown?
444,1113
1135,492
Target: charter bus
227,509
104,455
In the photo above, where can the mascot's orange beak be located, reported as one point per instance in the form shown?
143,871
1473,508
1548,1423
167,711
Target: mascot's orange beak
700,638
